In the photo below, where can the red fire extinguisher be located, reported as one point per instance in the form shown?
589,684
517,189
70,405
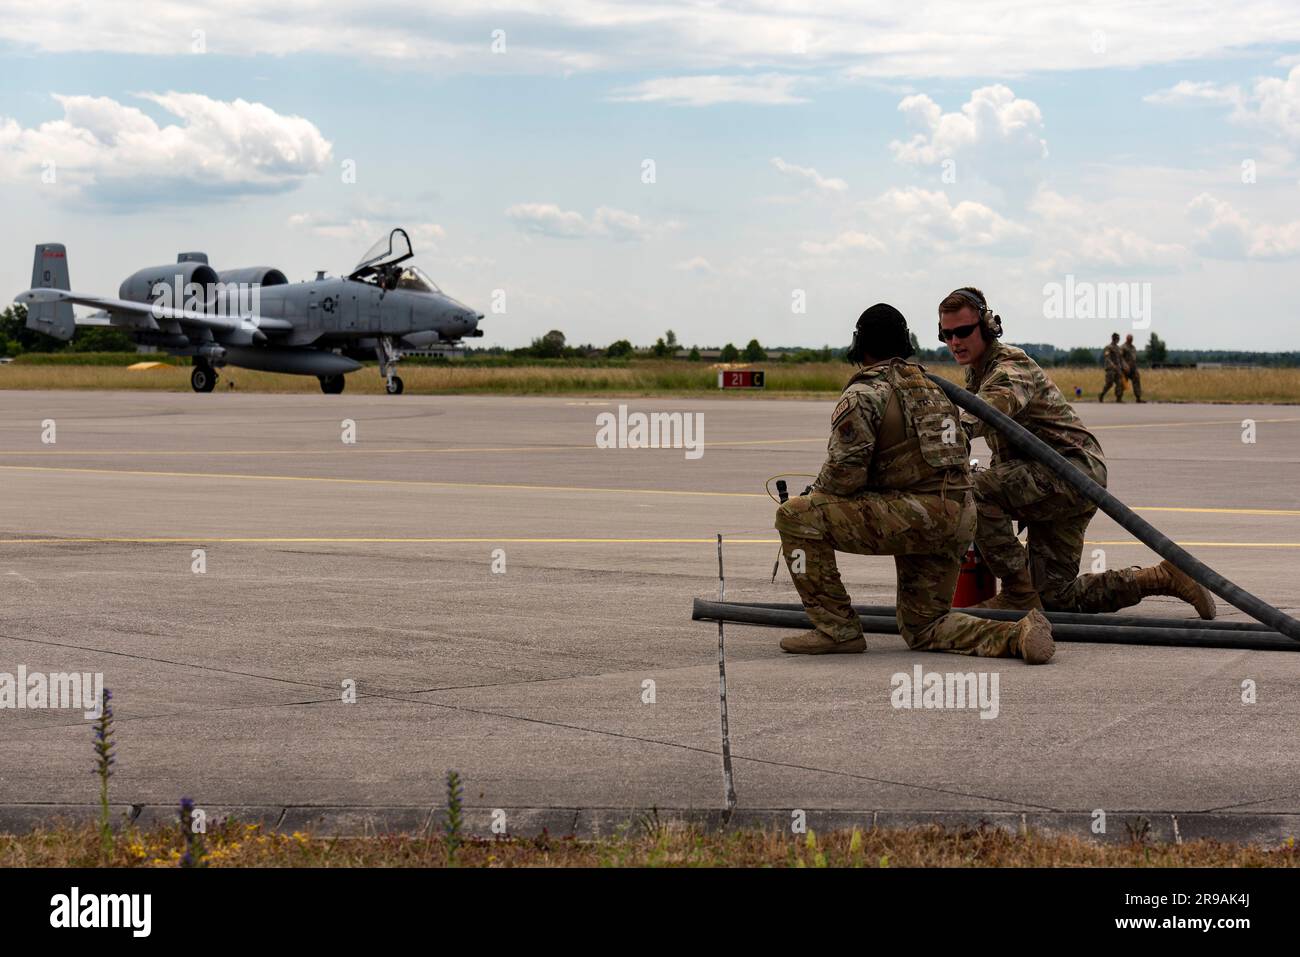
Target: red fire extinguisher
975,583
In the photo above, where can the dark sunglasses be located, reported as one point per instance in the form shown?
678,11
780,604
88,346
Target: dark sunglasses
960,332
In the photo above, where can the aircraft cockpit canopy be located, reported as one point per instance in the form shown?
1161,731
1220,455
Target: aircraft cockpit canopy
414,279
383,256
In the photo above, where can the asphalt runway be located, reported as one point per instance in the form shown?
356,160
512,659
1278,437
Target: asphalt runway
372,563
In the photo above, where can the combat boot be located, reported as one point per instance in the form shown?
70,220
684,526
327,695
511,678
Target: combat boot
1033,641
1167,579
1017,592
818,643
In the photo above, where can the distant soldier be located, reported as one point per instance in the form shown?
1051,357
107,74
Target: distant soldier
1017,488
1129,355
896,482
1112,360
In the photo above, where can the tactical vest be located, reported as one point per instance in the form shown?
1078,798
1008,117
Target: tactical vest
930,452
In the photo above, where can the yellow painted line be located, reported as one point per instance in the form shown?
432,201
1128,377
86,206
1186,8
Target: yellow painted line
1182,425
343,450
1215,511
419,483
1212,544
363,451
393,541
470,450
415,483
453,540
360,449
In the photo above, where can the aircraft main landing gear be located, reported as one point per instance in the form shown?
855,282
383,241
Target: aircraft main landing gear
331,384
394,385
203,378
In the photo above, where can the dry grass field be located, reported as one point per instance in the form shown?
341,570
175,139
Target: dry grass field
644,378
232,844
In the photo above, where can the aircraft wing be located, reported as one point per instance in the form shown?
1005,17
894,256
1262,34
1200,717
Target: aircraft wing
255,324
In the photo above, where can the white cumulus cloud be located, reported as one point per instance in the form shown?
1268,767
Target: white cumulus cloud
548,219
948,38
769,89
827,184
996,136
923,219
363,231
698,265
1088,235
844,242
116,153
1272,103
1223,232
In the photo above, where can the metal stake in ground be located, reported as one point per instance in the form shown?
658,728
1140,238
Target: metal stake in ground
728,783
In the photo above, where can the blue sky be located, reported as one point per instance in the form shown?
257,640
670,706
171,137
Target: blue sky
794,157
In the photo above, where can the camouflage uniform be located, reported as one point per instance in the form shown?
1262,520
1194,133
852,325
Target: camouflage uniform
1129,360
1016,487
1112,361
896,482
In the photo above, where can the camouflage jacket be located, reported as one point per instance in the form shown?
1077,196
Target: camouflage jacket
895,429
1128,357
1016,385
1111,357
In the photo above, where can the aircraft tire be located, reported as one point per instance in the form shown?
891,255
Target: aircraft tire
394,386
332,384
203,379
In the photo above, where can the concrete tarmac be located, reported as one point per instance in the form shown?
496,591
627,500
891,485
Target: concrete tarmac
327,563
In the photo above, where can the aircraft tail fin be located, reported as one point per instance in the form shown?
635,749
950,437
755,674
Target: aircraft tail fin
50,271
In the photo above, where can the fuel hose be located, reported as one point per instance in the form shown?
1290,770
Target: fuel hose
1197,637
1102,619
1142,530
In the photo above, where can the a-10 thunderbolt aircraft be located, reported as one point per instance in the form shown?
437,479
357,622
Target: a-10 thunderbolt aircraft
255,318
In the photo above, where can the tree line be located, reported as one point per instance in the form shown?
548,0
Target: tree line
16,339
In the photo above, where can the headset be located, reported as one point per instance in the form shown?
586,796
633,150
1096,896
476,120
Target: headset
854,354
990,322
857,347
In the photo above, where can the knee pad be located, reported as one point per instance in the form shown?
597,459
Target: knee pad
799,518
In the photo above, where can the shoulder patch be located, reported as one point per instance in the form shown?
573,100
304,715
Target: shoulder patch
841,410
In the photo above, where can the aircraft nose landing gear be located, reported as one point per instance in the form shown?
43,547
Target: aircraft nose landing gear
204,377
388,357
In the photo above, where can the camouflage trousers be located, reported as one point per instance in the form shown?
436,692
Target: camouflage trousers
1058,517
926,534
1113,378
1135,380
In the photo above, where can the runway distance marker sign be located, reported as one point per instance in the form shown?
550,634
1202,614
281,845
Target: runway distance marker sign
741,379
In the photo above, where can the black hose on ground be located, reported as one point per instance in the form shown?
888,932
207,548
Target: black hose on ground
1100,634
1106,620
1141,529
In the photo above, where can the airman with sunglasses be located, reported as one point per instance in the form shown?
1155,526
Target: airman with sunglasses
896,481
1015,487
